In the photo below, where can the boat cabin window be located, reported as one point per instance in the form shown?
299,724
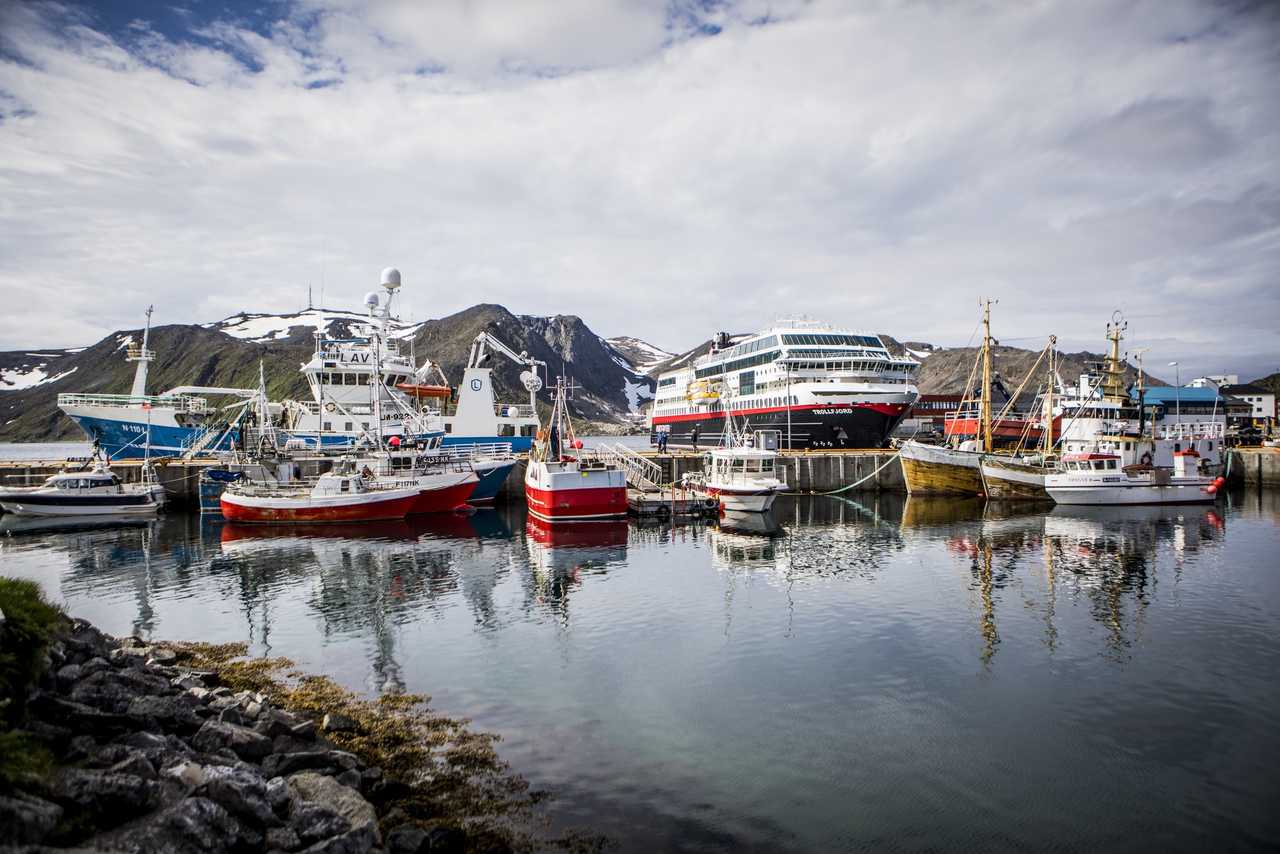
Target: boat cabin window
739,465
345,485
766,465
347,426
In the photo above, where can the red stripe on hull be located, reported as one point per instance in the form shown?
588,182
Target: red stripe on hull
443,500
890,409
597,503
365,511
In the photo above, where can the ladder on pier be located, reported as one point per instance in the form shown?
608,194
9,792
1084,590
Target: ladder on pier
643,474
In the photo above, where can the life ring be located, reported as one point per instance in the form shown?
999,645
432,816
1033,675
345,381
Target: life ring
330,407
1146,459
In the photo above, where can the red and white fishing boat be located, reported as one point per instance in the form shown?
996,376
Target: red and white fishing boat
563,482
335,497
443,485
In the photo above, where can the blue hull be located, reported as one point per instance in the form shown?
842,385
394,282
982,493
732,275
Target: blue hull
126,440
519,444
490,482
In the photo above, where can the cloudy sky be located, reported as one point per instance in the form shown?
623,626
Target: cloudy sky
662,169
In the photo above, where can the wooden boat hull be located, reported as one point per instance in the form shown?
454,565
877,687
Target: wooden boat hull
932,470
1009,480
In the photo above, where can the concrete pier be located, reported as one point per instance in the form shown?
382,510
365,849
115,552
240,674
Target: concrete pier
1254,466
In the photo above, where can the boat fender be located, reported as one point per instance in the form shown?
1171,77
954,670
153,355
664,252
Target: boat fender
1146,459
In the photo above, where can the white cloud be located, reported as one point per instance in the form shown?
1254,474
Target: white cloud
881,165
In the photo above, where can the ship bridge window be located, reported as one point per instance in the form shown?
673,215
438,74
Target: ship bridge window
832,340
666,382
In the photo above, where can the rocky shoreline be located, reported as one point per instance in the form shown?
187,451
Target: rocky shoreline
147,752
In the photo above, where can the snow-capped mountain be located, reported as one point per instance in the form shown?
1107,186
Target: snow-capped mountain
261,328
640,356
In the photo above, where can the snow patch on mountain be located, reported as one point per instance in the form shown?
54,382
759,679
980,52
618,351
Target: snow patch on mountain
14,379
636,392
261,328
641,356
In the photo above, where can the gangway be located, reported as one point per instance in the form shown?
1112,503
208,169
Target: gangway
643,474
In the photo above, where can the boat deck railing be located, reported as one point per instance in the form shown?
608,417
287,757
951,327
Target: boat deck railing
641,473
1193,430
475,451
180,402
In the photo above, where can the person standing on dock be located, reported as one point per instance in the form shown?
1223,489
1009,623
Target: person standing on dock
693,437
662,442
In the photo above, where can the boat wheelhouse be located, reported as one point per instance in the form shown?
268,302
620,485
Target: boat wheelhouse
817,386
354,385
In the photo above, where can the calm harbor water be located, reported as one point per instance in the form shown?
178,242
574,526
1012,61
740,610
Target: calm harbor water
880,674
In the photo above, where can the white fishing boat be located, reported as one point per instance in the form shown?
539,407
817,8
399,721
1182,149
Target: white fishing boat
1101,478
98,492
741,476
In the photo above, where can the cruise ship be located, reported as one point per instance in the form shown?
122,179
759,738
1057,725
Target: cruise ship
818,386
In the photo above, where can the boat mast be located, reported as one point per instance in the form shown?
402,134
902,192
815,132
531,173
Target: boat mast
986,375
1048,400
1113,372
143,357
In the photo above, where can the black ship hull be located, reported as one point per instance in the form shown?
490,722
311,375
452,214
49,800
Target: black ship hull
817,427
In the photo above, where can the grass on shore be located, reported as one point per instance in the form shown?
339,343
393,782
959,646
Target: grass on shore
27,628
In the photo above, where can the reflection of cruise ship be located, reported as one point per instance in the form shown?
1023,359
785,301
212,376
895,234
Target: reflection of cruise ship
818,387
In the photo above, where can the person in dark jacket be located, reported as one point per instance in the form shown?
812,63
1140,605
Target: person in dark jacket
693,436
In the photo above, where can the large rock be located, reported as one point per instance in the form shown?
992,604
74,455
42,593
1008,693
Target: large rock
338,722
25,819
314,822
77,716
316,788
244,742
241,792
170,711
191,826
114,690
358,840
408,839
284,764
109,798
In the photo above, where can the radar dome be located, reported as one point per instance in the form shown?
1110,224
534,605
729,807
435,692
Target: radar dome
391,278
371,299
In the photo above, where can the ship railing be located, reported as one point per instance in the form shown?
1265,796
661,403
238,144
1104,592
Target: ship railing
179,402
1192,430
641,472
475,451
513,410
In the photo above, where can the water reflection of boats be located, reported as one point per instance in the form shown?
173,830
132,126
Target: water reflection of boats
926,512
761,524
560,553
607,534
391,529
732,549
13,524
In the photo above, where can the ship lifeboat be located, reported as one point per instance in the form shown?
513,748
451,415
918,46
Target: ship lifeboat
703,391
419,391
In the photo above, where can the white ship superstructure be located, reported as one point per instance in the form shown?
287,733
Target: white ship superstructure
353,385
818,386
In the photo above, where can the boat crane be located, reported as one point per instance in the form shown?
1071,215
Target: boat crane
484,342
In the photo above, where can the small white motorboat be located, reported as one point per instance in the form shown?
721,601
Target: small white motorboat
98,492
